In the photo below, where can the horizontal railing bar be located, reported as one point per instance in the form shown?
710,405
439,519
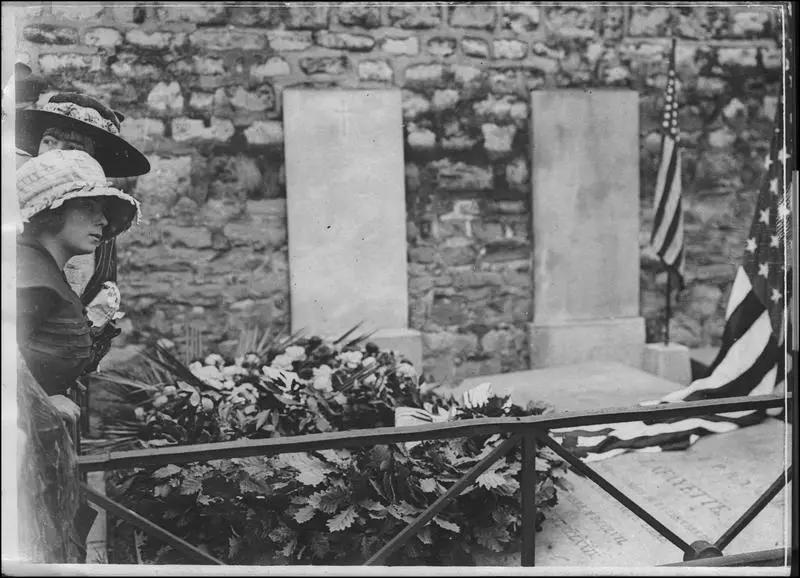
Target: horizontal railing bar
640,512
147,526
762,501
774,557
441,502
444,430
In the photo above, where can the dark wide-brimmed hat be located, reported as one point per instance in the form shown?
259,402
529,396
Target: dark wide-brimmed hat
85,115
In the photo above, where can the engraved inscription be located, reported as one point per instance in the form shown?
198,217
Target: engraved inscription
597,519
578,538
690,490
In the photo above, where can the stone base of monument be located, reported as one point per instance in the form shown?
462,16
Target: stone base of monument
697,493
582,386
670,361
618,339
408,342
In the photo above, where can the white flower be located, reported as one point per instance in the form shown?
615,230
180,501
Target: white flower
232,370
272,373
289,377
322,378
207,404
282,361
244,393
351,358
283,379
370,379
210,374
295,352
139,412
170,390
478,396
215,359
368,361
406,370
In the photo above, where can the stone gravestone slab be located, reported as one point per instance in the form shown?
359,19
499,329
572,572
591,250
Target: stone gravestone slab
585,209
697,493
345,181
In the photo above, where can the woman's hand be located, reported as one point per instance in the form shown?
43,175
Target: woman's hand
68,409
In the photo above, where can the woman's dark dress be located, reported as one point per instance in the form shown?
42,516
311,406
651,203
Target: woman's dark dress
55,345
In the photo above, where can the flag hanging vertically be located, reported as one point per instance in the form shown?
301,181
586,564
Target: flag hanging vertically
667,236
751,359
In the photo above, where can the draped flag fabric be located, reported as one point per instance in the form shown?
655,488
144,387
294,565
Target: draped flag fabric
751,359
667,236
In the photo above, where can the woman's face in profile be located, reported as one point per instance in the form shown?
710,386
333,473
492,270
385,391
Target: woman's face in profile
84,220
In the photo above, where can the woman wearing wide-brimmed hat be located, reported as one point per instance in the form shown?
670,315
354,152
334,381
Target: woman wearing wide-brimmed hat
74,121
67,208
83,122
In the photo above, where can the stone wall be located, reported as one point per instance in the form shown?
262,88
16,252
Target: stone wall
201,88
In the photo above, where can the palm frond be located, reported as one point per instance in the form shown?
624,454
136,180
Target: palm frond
361,338
292,339
347,333
161,357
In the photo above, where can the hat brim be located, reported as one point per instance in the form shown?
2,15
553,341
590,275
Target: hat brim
121,208
121,211
117,156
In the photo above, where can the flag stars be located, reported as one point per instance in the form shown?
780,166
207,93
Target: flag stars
763,269
775,241
783,212
773,186
751,245
764,216
767,162
783,156
776,296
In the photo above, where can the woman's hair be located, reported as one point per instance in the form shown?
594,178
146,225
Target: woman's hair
63,134
49,221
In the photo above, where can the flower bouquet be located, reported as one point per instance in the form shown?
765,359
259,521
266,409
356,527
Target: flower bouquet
330,506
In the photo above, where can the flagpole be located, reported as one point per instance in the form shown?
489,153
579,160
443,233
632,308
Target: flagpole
669,307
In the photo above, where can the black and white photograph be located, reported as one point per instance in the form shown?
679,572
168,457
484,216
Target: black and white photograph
407,288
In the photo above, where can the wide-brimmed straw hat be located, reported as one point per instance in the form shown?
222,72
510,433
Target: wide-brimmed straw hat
88,116
52,178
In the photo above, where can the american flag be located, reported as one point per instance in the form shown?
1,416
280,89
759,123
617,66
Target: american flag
751,359
667,237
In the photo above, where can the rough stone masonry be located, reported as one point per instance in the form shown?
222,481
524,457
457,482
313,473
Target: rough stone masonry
201,86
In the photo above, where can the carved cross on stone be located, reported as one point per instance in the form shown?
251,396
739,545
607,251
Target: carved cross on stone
343,112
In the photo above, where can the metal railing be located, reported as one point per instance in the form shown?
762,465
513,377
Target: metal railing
528,431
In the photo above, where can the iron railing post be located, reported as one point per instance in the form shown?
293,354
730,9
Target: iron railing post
528,491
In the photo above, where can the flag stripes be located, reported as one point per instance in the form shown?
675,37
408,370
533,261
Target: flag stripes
751,360
667,236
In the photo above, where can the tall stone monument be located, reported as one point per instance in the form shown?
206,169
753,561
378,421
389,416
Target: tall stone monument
585,211
345,181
